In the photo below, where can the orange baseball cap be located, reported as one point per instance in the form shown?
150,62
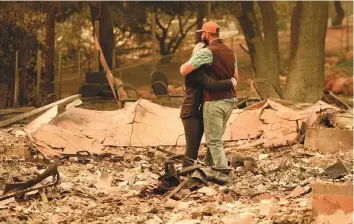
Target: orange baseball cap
210,27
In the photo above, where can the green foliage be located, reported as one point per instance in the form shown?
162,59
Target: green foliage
18,28
122,19
14,36
65,9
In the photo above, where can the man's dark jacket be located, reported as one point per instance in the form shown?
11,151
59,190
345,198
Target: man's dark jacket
195,83
223,67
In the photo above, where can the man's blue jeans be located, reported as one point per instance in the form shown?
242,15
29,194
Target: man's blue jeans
216,114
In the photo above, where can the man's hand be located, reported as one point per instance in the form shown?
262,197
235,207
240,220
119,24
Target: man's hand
234,83
197,47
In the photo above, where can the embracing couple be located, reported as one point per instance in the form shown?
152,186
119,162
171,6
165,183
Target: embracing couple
210,80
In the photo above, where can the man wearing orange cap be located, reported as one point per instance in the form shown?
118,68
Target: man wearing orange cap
218,105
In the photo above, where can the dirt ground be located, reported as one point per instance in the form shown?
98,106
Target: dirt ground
124,188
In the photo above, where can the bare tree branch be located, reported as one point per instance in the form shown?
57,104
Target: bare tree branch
159,23
169,43
170,22
161,40
183,34
191,26
180,24
190,16
182,37
158,36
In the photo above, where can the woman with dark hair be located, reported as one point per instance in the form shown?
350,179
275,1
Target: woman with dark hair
191,111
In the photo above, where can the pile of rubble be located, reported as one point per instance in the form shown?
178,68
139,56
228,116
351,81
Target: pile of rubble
125,188
125,166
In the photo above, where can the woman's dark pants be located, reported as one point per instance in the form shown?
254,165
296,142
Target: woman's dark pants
193,131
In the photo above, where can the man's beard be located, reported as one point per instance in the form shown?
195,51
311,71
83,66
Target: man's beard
206,42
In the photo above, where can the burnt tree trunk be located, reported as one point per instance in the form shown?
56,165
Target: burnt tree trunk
23,62
48,78
270,31
307,44
4,94
337,20
101,11
200,16
24,58
263,47
244,13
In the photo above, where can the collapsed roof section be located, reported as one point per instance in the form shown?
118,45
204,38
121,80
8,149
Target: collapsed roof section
147,124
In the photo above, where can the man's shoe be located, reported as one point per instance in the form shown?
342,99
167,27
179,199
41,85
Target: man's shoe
222,178
222,170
